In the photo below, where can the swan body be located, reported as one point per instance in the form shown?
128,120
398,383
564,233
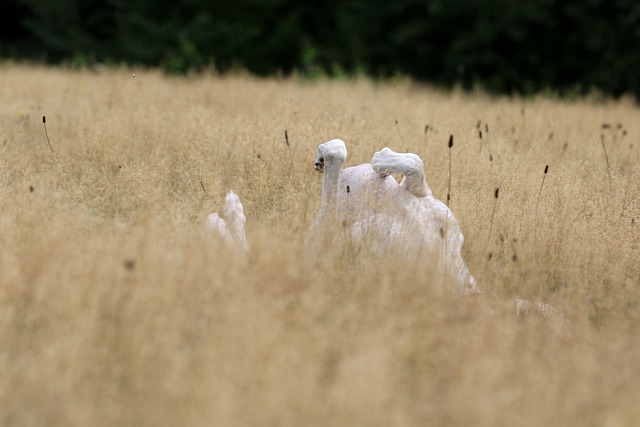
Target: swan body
231,231
380,212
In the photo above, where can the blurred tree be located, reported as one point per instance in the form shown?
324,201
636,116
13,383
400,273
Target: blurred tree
499,45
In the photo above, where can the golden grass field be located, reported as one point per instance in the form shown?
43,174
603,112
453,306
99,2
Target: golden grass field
117,309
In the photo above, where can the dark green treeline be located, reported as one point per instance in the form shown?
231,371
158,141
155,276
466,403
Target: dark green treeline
507,46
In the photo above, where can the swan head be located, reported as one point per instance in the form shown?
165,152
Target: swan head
233,209
334,151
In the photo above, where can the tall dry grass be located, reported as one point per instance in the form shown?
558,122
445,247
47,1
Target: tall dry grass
116,309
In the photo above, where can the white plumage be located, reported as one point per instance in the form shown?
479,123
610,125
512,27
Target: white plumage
381,213
232,230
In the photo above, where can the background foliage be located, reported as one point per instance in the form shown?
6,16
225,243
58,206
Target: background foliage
499,45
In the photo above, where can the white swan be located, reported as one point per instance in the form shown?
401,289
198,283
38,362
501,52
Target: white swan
232,230
380,212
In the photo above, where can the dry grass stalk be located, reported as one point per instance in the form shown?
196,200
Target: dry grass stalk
450,145
53,152
496,194
544,176
606,156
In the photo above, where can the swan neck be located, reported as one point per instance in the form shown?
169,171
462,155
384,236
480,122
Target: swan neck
330,184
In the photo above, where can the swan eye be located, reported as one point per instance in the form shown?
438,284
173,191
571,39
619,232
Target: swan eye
321,159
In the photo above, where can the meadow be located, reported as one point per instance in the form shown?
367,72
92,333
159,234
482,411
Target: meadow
117,309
